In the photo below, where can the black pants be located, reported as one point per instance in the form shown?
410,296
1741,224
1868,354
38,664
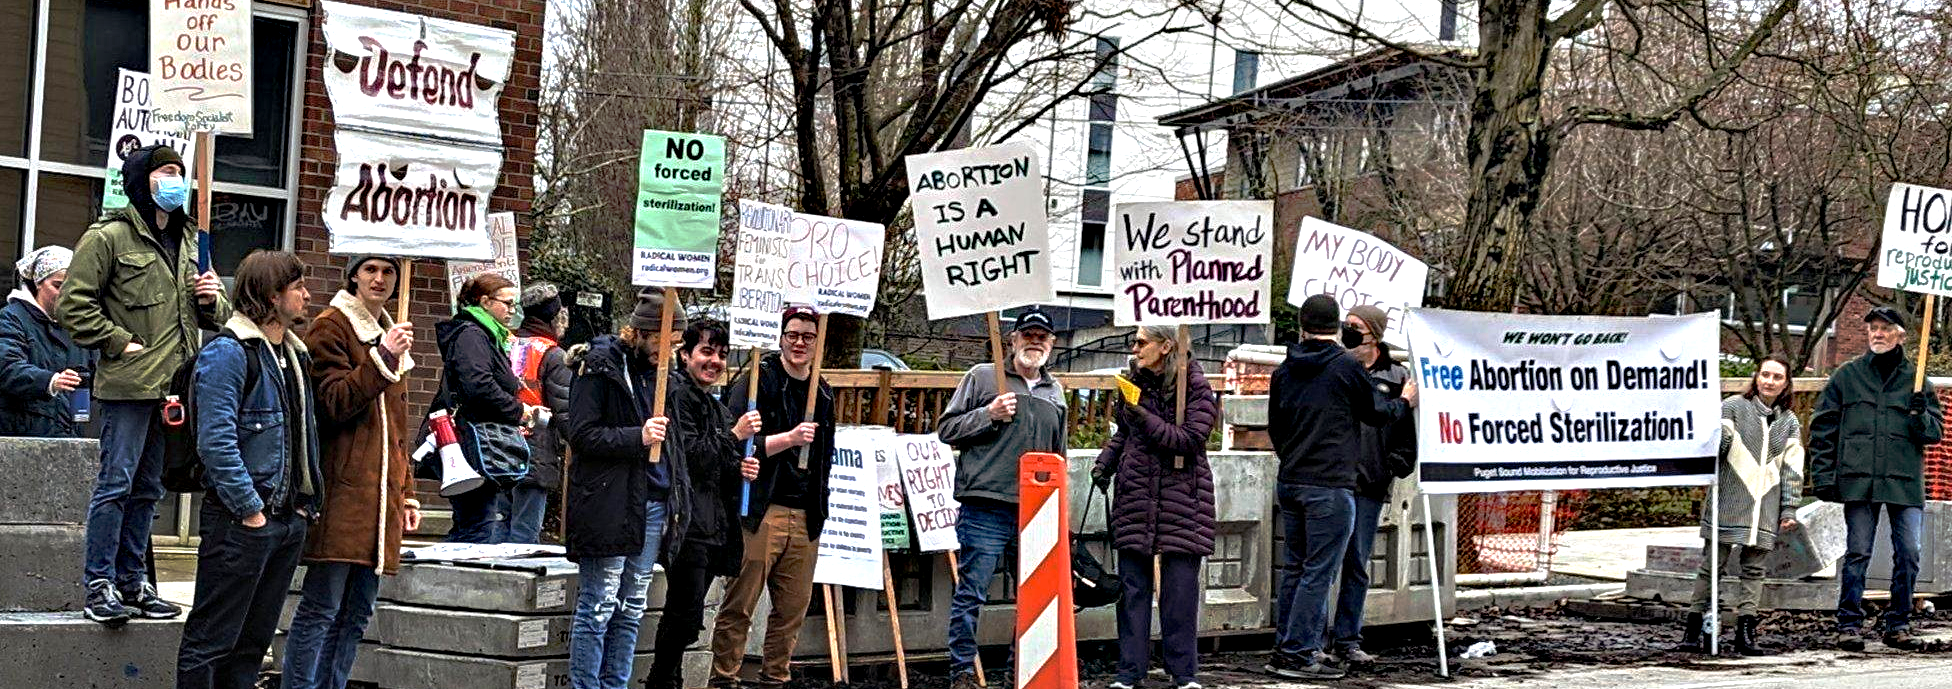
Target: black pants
685,583
242,577
1179,615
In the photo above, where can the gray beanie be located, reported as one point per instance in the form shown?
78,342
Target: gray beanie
352,273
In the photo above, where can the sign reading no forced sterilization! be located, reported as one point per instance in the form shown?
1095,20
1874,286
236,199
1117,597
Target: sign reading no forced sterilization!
1916,254
680,184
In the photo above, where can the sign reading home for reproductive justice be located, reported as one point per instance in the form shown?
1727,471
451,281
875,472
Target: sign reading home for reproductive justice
981,231
680,184
1519,402
1916,252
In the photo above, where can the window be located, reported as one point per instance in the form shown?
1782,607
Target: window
1247,70
1098,155
1102,113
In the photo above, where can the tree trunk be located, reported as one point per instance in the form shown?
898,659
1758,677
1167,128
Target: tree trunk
1510,148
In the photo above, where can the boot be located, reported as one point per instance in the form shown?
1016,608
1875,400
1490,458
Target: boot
1691,641
1747,641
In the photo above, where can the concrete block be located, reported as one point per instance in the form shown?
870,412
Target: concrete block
63,650
45,481
396,668
362,664
40,567
1244,410
499,635
1777,594
529,585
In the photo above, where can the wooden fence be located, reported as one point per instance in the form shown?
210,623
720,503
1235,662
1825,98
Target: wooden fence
913,401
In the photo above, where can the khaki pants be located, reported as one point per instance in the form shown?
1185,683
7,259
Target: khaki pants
1749,594
778,560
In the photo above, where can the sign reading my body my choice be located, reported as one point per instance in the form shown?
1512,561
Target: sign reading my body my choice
680,184
200,58
981,228
1916,254
1188,262
1357,269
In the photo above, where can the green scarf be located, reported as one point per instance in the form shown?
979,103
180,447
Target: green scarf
487,320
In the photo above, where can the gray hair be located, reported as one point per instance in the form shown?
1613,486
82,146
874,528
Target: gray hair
1161,333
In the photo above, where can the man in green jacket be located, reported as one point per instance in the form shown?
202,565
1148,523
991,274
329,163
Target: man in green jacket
1867,451
134,294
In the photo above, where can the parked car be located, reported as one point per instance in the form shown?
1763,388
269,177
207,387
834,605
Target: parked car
882,358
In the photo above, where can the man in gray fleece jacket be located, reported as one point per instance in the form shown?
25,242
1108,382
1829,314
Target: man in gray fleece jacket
990,433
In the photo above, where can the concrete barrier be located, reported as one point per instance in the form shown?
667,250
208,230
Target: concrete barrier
60,649
40,567
47,481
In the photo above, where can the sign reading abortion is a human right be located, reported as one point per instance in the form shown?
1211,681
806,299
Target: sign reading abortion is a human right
981,231
1516,402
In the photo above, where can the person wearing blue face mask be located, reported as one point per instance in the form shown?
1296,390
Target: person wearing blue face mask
135,296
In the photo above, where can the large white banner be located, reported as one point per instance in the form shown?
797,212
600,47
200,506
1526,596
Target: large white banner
837,265
760,287
200,58
1357,269
133,128
1193,262
1515,402
929,476
1916,254
981,230
400,196
399,72
850,543
507,263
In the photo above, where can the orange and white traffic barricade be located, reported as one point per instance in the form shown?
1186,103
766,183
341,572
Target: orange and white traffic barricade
1047,636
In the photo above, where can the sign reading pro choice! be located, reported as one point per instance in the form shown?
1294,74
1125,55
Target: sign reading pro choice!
680,183
1189,262
980,226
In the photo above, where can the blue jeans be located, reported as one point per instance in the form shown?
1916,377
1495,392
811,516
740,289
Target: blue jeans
1347,633
478,517
610,600
524,506
1316,523
126,491
1860,523
331,618
986,530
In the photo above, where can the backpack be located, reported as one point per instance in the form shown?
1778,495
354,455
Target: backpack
525,357
182,464
1091,585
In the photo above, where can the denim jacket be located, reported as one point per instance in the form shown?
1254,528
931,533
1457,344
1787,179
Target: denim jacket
245,444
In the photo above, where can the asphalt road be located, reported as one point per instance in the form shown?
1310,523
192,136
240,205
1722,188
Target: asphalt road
1806,670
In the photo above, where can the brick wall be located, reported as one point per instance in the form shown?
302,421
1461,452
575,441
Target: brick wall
514,192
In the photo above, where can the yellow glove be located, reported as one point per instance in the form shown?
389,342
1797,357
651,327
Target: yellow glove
1127,389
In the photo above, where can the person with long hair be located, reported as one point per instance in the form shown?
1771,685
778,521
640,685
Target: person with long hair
478,384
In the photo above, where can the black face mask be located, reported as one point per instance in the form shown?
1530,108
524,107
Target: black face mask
1351,337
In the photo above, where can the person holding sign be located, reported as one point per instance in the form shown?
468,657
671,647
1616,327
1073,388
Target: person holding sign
1387,453
43,390
618,501
1317,400
134,295
1867,451
1160,510
992,429
477,383
789,504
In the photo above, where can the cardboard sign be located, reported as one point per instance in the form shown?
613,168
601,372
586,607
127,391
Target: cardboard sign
759,274
398,196
979,220
850,543
928,477
1916,253
894,499
1519,402
1193,262
135,127
680,184
1356,268
407,74
200,59
507,263
837,265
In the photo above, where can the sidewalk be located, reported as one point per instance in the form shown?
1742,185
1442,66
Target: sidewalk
1610,553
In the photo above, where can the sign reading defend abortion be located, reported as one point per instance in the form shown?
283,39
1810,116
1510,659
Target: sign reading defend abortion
982,235
1916,254
1518,402
1190,262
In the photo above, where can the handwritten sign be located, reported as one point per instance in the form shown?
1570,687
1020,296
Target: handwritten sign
680,184
759,277
850,543
1186,262
836,265
929,476
1916,254
1356,268
405,196
200,58
894,500
133,128
980,222
507,263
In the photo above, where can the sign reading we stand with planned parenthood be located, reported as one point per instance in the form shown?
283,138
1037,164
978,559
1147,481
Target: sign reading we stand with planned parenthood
1193,262
1517,402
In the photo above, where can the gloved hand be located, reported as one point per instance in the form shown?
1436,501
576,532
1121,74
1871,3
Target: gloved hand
1101,479
1918,400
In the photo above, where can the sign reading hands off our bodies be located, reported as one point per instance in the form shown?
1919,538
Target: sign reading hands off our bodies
200,61
1193,262
1916,252
981,229
1357,269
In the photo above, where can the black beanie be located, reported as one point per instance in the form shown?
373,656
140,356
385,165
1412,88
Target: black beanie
163,155
135,176
1321,315
352,273
542,301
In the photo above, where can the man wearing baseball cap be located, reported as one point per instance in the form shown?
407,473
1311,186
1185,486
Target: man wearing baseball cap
1867,451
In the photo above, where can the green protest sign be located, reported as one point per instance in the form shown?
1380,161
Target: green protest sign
680,184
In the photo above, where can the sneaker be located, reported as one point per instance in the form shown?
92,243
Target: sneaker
1285,666
103,605
964,680
1900,639
144,603
1319,670
1356,656
1850,641
1189,684
1120,684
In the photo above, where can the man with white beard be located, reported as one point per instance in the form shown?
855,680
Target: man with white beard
991,432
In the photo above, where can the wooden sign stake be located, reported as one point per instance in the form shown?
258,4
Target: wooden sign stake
663,359
835,656
894,620
996,352
1924,343
813,380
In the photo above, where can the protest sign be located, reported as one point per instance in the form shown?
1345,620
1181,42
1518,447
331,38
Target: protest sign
850,543
759,275
982,235
928,477
402,196
894,499
1519,402
1916,254
133,128
200,60
1356,268
1193,262
404,73
836,265
680,183
507,263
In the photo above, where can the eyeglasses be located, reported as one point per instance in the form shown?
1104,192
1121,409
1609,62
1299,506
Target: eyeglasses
800,338
510,303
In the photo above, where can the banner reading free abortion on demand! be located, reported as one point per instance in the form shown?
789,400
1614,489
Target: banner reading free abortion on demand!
1515,402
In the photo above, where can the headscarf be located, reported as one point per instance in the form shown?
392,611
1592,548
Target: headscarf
43,263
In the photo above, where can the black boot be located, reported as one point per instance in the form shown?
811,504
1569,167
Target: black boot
1691,641
1747,641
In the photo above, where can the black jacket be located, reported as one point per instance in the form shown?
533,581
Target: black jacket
1317,398
32,349
782,406
712,455
1390,452
609,477
476,380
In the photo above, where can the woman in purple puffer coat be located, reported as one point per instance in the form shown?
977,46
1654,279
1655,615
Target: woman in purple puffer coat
1163,507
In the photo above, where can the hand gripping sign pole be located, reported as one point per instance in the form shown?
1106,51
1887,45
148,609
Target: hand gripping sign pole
663,360
813,381
1047,638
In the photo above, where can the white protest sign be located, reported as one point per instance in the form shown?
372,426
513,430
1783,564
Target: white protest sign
894,499
507,263
928,474
759,274
982,235
398,72
398,196
200,58
133,128
836,266
1193,262
850,543
1356,268
1916,253
1518,402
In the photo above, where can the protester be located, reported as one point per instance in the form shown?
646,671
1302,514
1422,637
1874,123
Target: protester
359,357
540,363
477,383
1867,451
134,296
618,500
1163,507
705,539
991,431
259,444
1318,397
1384,454
1761,484
788,506
40,366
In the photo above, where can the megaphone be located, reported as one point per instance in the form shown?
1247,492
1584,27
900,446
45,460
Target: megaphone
457,476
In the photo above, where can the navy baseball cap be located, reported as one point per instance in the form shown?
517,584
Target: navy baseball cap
1033,318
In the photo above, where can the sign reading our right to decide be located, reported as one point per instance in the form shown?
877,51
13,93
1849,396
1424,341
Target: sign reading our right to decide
680,184
1518,402
1916,254
981,231
1192,262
